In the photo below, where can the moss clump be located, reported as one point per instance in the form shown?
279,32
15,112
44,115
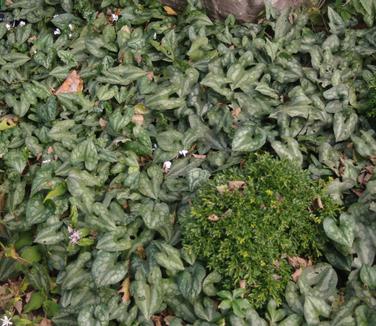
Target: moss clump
246,221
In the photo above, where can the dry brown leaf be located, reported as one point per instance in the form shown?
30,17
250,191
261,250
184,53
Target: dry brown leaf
169,11
222,189
138,58
150,75
72,84
200,156
140,250
299,264
295,276
18,305
28,296
157,320
45,322
317,203
213,218
102,123
242,284
2,201
357,192
366,175
125,290
138,119
236,185
235,112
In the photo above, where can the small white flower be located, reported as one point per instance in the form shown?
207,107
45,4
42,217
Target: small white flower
71,27
70,35
6,321
46,161
57,31
154,36
114,17
8,26
22,23
183,152
55,16
166,166
74,235
154,147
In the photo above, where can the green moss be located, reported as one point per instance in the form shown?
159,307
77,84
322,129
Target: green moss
258,225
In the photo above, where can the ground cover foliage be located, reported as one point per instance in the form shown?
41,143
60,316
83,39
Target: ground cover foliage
114,113
248,223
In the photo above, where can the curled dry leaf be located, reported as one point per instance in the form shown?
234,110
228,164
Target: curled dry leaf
199,156
2,201
140,250
157,320
169,11
45,322
242,284
317,203
299,264
18,306
8,121
236,112
72,84
103,123
125,290
236,185
366,175
222,189
138,119
150,75
295,276
213,218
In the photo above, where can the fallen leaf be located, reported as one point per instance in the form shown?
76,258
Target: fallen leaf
169,11
366,175
45,322
222,189
150,75
236,185
200,156
8,121
140,250
277,277
357,192
125,290
28,296
299,264
138,58
317,203
18,305
235,112
72,84
342,166
157,320
138,119
295,276
102,123
2,201
213,218
242,284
